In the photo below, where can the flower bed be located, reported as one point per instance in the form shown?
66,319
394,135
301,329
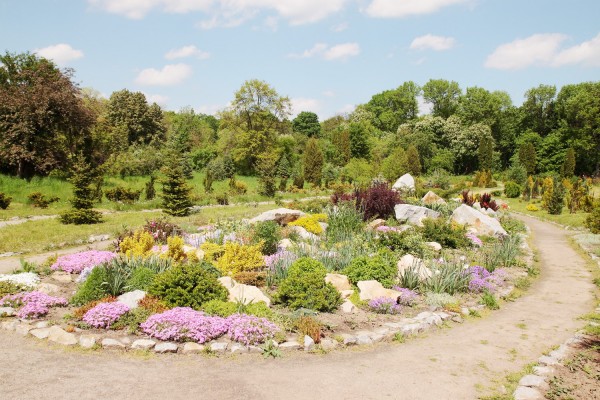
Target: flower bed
75,263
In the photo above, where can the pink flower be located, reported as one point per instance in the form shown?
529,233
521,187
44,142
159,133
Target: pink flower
75,263
105,314
32,304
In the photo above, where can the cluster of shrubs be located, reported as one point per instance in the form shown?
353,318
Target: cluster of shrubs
123,194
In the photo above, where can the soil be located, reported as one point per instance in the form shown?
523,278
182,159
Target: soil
457,363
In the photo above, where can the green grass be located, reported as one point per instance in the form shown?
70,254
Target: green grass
573,220
50,234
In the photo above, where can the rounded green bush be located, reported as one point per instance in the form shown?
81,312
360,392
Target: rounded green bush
380,268
305,287
512,189
187,285
141,279
93,288
269,232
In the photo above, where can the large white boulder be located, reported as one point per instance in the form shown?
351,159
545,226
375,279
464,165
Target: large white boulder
282,216
406,183
245,294
132,299
408,261
432,198
483,224
340,282
373,289
414,215
304,234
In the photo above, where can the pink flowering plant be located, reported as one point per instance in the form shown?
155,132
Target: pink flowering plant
75,263
385,305
184,324
250,330
32,304
484,281
105,314
475,241
407,297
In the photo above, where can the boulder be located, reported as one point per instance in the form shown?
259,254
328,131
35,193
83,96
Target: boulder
218,347
483,224
243,293
435,246
58,335
340,282
285,243
432,198
414,215
87,341
406,183
109,343
409,261
7,312
376,223
348,307
48,288
304,234
193,348
373,289
166,347
309,343
132,299
143,344
282,216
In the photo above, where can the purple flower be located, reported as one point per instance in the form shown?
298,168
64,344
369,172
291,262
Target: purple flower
385,305
184,324
75,263
250,330
407,297
105,314
281,257
32,304
475,241
482,280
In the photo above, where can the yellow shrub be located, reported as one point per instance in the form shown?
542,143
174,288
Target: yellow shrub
212,251
240,258
311,222
138,245
532,207
175,250
548,188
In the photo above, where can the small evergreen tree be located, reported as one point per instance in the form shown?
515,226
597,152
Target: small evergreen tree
557,199
284,171
266,166
414,161
208,180
150,191
568,167
175,190
528,157
395,165
313,163
83,178
486,153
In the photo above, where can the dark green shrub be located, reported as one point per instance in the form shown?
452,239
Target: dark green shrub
442,232
38,199
187,285
269,232
141,279
93,288
81,217
83,177
313,162
175,192
410,241
4,201
557,199
123,194
381,268
592,222
512,189
150,191
305,287
132,320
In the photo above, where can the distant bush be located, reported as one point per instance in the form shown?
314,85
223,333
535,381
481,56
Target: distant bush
381,268
38,199
310,222
222,199
592,222
81,217
123,194
512,189
444,233
4,201
240,258
269,233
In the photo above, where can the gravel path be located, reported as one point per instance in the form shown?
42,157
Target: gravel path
449,364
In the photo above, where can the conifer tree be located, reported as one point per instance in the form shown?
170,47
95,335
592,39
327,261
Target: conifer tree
528,157
568,167
486,153
175,190
313,163
413,160
557,199
83,176
266,166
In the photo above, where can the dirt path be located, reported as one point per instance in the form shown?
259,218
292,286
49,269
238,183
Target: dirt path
449,364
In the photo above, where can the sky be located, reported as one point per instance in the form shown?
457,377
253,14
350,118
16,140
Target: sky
327,56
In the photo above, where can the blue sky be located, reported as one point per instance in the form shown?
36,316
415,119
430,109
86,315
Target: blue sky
326,55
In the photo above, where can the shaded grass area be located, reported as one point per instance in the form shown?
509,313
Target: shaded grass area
50,234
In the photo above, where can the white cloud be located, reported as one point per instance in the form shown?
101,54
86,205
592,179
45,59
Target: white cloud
340,27
404,8
226,13
158,99
328,93
187,51
347,109
544,50
432,42
300,104
60,53
337,52
172,74
425,108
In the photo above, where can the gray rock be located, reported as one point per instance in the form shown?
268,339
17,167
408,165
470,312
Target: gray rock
542,371
87,341
548,361
309,343
98,238
377,337
410,262
255,350
218,347
527,393
533,381
560,353
109,343
143,344
376,224
41,324
290,345
435,246
60,336
285,243
328,344
432,198
7,312
166,347
347,339
238,348
348,307
414,215
339,281
132,299
373,289
406,183
41,333
304,234
483,224
363,338
282,216
193,348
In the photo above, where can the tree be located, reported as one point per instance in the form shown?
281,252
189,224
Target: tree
486,153
568,168
538,109
395,165
528,158
443,95
266,167
259,106
313,163
83,177
175,190
307,123
391,108
413,160
556,203
43,120
359,139
341,142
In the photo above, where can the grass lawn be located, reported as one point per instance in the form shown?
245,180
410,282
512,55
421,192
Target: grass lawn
50,234
573,220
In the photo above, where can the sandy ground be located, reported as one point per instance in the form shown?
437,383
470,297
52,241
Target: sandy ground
449,364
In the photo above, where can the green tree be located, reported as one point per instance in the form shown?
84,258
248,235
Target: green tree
443,95
307,123
486,153
43,120
83,178
528,157
556,203
359,139
414,161
538,109
341,143
395,165
259,106
313,163
175,190
391,108
266,168
568,167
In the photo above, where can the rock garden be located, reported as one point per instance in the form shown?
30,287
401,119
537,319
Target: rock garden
365,266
